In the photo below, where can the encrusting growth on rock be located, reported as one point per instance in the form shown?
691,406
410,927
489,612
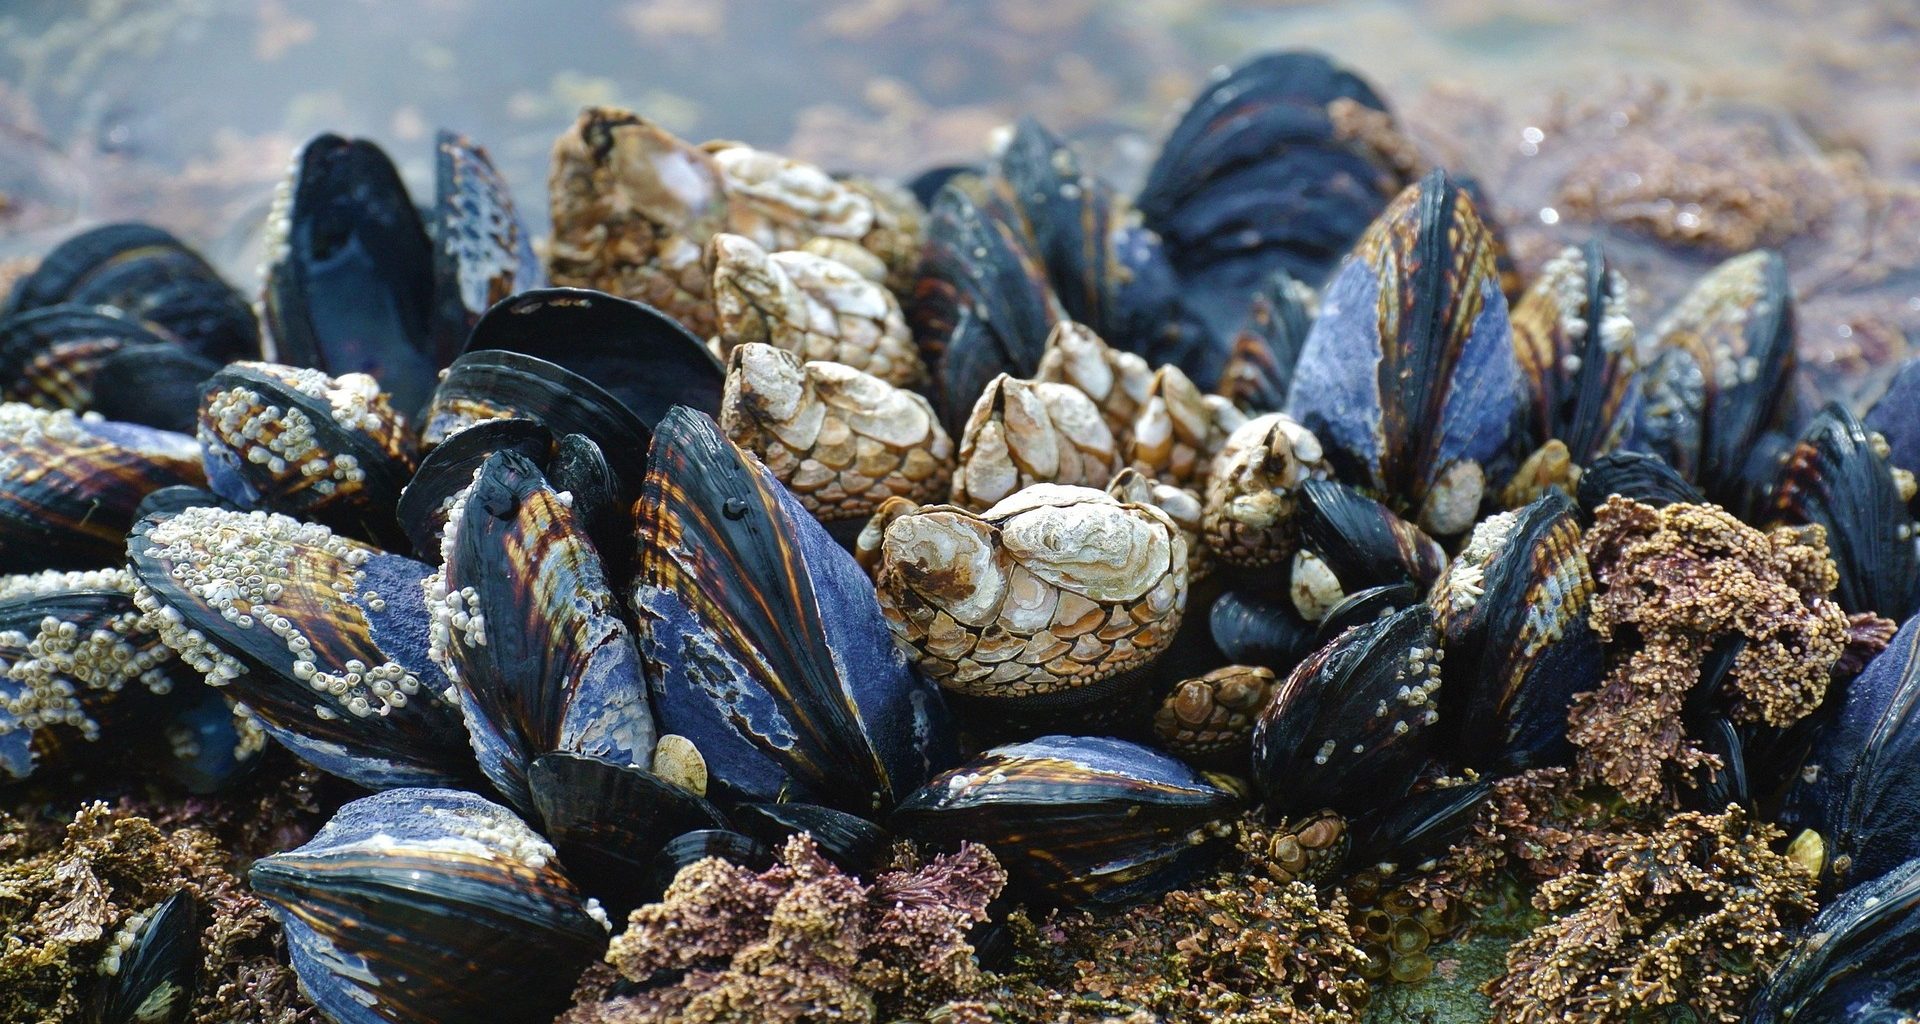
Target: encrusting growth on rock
1679,581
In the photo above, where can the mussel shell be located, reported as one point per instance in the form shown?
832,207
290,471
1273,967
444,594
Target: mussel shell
448,469
1858,787
1362,541
350,287
855,844
1259,369
1408,377
1858,961
482,252
1835,478
1644,477
1076,820
1256,629
1363,606
693,847
68,486
1575,343
531,633
157,386
640,356
1352,724
1895,415
156,977
204,749
764,640
49,356
609,820
1713,788
421,906
1416,828
74,262
1520,647
982,305
342,603
581,469
1073,217
353,458
179,498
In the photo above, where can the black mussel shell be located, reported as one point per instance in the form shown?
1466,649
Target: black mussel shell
50,356
154,385
1408,376
1836,478
855,844
1073,217
581,469
482,253
637,354
349,284
1715,787
295,440
74,262
205,752
527,626
1858,962
323,638
982,305
448,469
1258,176
1076,820
1259,368
1575,342
683,851
68,486
1351,726
153,981
1363,606
1720,374
1512,613
764,640
926,185
422,906
1858,787
1640,476
1895,416
77,667
609,820
172,500
1254,629
1360,543
1417,828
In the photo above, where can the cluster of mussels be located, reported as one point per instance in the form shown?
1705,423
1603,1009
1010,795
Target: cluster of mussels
1266,517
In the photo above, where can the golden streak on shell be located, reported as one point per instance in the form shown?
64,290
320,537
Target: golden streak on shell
842,441
1179,430
1118,382
1052,589
633,207
1252,494
814,307
1023,433
1210,717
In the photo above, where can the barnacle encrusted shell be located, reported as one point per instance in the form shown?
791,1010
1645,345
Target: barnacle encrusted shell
1051,589
1178,430
1252,493
1116,380
1025,432
632,208
812,306
841,440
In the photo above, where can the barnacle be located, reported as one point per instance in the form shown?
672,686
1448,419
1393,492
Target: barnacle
1681,579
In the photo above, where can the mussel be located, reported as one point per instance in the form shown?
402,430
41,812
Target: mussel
1858,961
151,979
1350,543
1838,476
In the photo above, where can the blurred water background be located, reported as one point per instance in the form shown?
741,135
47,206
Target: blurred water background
1685,129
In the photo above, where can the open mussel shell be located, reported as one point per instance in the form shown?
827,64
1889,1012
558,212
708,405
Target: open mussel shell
1416,828
151,276
322,637
50,356
1408,377
1835,477
1574,337
1076,820
528,628
448,469
693,847
349,281
1720,373
763,639
294,440
498,385
1644,477
1858,961
854,843
152,981
609,820
1352,724
1858,787
77,667
1349,543
482,252
421,906
68,485
982,306
1512,613
1265,171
